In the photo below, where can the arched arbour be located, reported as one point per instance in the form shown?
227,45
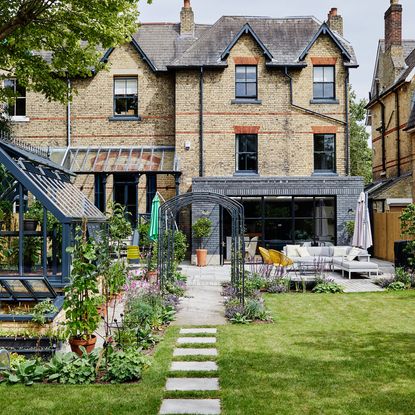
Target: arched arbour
167,226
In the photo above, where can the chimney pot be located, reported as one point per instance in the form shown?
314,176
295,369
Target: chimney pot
333,11
187,20
187,4
335,21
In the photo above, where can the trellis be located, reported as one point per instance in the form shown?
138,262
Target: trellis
167,227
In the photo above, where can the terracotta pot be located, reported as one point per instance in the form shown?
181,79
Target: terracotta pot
201,255
88,344
151,277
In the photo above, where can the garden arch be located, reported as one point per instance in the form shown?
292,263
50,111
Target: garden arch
167,226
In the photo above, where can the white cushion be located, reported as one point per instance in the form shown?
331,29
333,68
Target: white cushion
353,253
340,250
303,251
292,250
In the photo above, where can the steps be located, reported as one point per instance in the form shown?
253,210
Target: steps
193,384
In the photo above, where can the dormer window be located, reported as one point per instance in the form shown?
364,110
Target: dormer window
246,82
323,83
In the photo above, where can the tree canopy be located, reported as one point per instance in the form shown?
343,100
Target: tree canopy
360,153
45,42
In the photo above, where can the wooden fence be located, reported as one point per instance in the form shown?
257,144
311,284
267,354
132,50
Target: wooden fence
386,230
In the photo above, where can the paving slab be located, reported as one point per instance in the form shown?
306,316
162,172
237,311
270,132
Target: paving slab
196,340
194,352
190,406
199,331
194,366
192,384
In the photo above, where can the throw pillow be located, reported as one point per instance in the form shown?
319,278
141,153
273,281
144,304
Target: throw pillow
340,251
292,250
303,251
354,252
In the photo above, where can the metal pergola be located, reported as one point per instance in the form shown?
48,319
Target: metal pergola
168,212
31,171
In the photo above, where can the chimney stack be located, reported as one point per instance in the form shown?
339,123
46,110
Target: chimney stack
393,25
335,21
187,20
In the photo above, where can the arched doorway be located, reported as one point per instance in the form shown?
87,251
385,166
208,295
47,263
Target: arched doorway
167,226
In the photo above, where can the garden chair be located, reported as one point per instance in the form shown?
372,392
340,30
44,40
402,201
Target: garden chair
265,255
251,248
281,260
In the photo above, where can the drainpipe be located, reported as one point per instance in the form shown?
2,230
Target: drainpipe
383,130
68,123
201,147
347,133
398,131
308,111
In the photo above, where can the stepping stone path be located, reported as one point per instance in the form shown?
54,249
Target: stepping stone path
193,384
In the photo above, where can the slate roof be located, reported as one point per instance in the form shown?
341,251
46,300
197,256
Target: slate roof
285,39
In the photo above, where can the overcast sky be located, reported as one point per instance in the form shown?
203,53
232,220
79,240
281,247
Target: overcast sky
363,21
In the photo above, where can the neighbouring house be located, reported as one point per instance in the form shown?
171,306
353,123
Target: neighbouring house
255,108
392,119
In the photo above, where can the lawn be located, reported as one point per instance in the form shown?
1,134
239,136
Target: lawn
325,354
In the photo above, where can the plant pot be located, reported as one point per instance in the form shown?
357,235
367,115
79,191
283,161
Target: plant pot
30,225
151,277
76,343
102,310
201,255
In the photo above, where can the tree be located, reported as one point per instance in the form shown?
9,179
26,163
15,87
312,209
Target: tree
360,153
43,43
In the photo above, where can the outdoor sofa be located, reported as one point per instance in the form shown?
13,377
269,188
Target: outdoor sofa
343,258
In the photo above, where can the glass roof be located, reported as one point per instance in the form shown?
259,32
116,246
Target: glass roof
49,183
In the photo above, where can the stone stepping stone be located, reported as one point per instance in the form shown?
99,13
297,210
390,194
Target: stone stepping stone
194,366
199,331
194,352
192,384
196,340
190,406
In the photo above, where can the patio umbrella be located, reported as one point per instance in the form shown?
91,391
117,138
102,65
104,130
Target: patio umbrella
362,235
154,220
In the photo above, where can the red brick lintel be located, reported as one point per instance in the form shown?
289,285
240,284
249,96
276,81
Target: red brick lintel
323,61
324,130
244,129
246,60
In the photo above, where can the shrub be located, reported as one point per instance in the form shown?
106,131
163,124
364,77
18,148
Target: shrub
125,366
396,286
403,276
24,371
328,287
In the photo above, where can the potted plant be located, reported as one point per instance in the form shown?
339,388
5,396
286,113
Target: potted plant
32,217
31,253
202,228
82,316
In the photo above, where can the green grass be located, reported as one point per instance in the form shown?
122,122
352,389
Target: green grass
143,398
324,354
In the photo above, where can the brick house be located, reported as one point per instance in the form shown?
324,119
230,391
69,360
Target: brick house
392,117
252,107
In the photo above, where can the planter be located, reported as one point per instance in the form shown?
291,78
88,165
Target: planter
43,347
30,225
201,255
151,277
76,343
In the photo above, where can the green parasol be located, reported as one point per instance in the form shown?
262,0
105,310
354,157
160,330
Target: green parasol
154,221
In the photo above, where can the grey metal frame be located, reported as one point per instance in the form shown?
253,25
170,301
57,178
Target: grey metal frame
168,212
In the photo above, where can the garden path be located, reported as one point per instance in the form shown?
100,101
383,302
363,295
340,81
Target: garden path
203,303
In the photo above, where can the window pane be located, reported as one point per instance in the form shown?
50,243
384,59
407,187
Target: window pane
119,88
277,207
319,143
120,106
279,230
251,162
240,73
303,207
318,91
9,83
251,90
241,162
328,90
21,91
329,143
242,143
304,230
253,227
318,74
252,208
20,106
240,90
329,74
251,73
131,106
131,87
251,144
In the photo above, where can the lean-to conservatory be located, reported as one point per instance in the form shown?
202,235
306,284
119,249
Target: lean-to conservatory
39,211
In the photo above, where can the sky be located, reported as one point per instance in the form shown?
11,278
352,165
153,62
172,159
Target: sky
363,21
